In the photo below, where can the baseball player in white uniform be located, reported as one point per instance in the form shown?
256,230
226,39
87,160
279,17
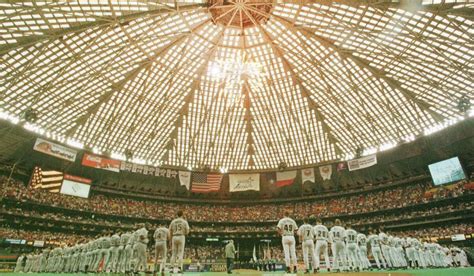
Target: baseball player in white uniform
399,242
286,228
86,255
126,258
374,241
440,256
431,254
114,251
352,248
19,264
58,262
410,252
419,253
392,255
44,259
463,261
35,263
139,247
77,258
322,235
427,254
384,241
104,253
448,258
336,236
161,236
306,236
66,259
179,229
28,262
95,255
362,244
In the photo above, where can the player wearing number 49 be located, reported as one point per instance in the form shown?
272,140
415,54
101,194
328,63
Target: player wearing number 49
306,235
287,228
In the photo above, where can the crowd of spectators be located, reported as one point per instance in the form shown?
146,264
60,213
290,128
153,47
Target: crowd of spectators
355,204
440,231
49,237
82,222
204,253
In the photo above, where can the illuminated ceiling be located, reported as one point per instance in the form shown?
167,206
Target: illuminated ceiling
235,84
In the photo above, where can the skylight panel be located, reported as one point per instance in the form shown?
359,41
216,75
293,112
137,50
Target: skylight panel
164,61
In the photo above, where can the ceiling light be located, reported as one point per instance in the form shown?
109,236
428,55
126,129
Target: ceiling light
74,143
223,170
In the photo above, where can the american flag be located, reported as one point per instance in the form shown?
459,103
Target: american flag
205,183
48,180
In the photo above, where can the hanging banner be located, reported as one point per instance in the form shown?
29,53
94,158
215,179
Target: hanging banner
341,166
98,162
148,170
326,172
137,168
185,179
55,150
307,175
362,163
244,182
285,178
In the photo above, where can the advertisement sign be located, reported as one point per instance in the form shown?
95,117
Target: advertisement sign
362,163
55,150
98,162
244,182
76,186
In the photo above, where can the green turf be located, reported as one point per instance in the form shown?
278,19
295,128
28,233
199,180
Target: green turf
469,271
422,272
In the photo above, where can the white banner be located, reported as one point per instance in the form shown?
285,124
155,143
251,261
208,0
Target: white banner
55,150
149,170
244,182
38,243
326,172
362,163
307,175
458,237
185,179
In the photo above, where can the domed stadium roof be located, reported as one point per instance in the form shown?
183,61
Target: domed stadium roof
235,84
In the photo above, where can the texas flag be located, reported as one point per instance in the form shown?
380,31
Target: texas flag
285,178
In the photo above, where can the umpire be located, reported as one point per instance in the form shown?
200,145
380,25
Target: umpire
230,255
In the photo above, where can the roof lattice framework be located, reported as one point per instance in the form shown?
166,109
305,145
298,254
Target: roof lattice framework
236,84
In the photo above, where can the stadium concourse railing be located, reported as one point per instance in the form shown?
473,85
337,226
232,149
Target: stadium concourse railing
99,189
15,214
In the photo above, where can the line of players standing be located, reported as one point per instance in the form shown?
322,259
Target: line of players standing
123,253
349,248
